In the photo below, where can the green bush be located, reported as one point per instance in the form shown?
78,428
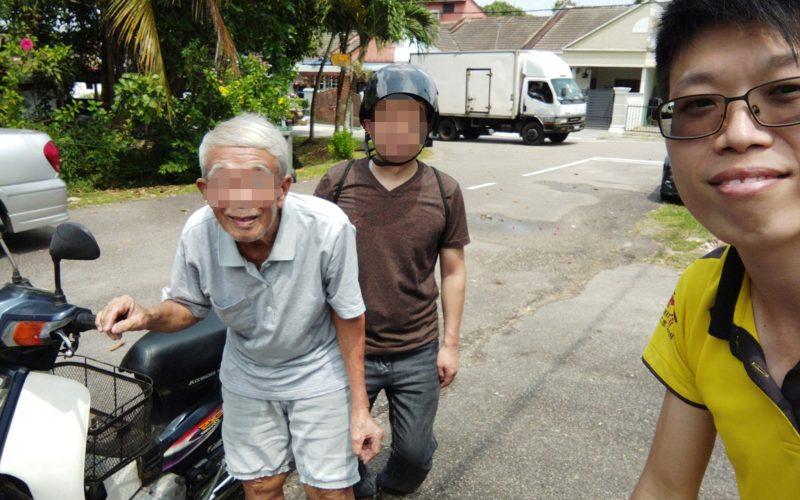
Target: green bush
342,145
90,147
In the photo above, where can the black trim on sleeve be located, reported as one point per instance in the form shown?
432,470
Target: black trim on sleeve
670,389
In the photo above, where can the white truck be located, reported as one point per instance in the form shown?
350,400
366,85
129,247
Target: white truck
530,92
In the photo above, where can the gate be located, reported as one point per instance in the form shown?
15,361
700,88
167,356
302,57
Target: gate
599,108
641,119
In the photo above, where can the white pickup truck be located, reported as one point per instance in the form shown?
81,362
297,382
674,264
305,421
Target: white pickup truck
31,193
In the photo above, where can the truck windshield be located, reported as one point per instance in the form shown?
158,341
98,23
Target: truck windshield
567,91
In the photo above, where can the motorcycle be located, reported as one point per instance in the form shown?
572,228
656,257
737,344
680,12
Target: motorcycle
73,427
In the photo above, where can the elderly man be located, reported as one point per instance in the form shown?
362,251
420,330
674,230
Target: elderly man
281,272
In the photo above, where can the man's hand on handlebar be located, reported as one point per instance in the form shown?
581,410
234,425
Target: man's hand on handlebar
121,315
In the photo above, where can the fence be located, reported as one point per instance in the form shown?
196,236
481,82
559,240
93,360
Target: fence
641,119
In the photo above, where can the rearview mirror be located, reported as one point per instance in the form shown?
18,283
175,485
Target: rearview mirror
72,241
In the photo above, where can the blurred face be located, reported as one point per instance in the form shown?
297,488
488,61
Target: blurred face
743,182
244,191
399,128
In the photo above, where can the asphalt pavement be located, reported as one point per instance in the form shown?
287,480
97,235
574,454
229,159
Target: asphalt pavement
552,400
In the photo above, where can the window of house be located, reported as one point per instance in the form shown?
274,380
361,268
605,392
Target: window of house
328,82
448,8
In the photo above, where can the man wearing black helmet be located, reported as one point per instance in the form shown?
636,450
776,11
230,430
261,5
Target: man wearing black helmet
407,215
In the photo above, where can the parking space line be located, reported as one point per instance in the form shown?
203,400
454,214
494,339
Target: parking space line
626,160
559,167
596,158
482,185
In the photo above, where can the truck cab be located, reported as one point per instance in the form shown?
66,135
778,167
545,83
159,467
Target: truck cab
557,103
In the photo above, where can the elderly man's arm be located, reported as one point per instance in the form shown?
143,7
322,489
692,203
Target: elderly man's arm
365,433
679,455
454,283
123,314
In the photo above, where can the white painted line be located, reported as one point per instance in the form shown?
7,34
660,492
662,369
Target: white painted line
597,158
626,160
538,172
482,185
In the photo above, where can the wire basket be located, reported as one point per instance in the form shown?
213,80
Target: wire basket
119,421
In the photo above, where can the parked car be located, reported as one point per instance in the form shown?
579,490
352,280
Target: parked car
31,193
668,192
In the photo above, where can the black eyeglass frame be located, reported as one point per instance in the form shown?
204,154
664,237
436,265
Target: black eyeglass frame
726,101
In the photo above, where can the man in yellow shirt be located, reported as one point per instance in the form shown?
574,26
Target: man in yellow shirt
728,344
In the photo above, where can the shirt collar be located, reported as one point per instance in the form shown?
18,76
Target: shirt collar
282,249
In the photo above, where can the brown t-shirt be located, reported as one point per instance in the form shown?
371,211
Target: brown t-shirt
398,236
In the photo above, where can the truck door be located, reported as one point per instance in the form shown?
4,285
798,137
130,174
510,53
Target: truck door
537,98
479,87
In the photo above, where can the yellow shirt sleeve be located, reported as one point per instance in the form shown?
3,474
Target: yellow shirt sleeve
667,354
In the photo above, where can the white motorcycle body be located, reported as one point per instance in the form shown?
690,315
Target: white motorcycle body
46,442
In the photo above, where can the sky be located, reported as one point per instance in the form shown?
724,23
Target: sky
543,6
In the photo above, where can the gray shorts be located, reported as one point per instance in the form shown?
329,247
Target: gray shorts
263,438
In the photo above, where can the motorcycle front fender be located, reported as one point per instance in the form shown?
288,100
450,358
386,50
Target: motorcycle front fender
46,442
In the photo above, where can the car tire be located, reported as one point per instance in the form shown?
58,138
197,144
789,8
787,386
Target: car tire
557,138
447,129
533,134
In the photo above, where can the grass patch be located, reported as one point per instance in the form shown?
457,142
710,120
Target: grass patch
80,198
682,237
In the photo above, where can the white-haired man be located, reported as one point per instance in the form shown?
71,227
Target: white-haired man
281,272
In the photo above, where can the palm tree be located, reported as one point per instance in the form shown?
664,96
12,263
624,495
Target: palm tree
134,21
382,21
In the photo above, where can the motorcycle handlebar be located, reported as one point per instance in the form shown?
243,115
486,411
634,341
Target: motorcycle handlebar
84,321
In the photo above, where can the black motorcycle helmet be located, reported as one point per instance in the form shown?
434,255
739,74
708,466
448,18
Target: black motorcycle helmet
394,79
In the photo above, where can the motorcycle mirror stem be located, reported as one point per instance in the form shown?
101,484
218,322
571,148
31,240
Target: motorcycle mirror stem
16,277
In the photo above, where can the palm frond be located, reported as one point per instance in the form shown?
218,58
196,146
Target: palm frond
135,23
226,49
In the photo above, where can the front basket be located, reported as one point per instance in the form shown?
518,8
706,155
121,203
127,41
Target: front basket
119,424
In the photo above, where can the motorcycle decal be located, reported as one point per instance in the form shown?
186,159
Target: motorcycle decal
192,439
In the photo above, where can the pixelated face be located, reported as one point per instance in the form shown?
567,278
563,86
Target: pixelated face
244,191
743,182
399,128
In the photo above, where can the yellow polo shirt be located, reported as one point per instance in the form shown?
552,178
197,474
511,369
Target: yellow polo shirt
751,416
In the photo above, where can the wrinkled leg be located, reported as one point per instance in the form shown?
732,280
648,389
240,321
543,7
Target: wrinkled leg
320,494
265,488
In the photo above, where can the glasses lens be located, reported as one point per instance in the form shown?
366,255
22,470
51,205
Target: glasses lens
776,103
691,116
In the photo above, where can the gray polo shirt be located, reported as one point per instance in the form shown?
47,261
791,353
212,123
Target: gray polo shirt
281,342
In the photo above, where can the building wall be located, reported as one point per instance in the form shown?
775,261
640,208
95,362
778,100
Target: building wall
627,32
461,9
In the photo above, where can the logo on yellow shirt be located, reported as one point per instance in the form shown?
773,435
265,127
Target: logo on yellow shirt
669,318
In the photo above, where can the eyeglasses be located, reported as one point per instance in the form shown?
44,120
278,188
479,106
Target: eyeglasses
772,104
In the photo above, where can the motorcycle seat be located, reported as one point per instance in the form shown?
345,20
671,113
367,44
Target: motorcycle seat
179,358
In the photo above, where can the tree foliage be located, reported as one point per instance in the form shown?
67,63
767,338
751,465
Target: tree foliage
501,8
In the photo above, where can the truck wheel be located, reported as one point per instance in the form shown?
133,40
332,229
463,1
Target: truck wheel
447,130
471,133
557,138
533,134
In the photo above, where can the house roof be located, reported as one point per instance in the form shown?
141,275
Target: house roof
573,24
491,33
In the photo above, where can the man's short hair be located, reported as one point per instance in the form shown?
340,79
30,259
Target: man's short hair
248,130
683,20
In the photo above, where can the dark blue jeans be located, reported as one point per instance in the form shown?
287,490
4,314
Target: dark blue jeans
411,383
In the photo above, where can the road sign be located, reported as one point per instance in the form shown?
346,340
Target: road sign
340,59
